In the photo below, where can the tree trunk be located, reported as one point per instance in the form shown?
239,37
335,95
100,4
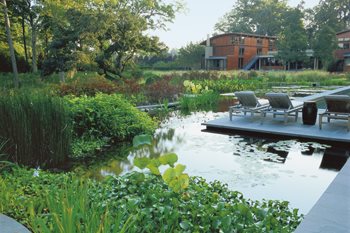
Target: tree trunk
24,39
34,62
10,42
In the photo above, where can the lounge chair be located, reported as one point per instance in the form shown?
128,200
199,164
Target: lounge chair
247,103
338,107
280,104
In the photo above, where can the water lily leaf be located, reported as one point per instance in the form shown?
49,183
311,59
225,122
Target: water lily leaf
169,175
154,169
155,162
175,185
170,159
141,140
141,162
184,181
179,169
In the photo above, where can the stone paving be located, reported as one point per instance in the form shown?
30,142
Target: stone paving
331,213
9,225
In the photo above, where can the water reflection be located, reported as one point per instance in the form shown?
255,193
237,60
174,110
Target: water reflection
285,170
334,158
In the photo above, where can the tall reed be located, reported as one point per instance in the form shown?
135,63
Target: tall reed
36,127
71,209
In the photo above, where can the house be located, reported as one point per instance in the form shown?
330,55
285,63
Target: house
233,51
342,54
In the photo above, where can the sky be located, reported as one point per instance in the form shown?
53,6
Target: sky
199,19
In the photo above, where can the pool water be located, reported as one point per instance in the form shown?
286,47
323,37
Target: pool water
292,171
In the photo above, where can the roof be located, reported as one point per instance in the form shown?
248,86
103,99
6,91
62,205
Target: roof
344,31
240,34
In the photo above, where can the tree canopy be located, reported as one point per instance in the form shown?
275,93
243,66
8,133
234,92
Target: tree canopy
87,34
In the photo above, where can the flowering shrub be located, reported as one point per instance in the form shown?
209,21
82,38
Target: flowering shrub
87,86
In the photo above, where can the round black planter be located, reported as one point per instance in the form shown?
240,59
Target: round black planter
309,113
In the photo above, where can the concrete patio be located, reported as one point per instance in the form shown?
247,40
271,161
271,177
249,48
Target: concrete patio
334,132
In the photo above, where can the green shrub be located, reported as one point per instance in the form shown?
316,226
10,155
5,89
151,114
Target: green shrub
109,116
136,202
36,127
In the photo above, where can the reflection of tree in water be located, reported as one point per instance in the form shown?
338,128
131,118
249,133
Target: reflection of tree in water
263,149
165,141
112,162
276,151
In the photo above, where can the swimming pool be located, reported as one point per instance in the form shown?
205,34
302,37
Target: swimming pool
298,172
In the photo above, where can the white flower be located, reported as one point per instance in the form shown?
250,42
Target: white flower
36,172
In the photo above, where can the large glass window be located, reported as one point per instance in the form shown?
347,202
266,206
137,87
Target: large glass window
347,61
240,63
241,51
241,39
258,51
271,44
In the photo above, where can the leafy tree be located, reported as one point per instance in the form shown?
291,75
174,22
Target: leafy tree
324,45
125,31
110,33
333,12
254,16
191,55
292,41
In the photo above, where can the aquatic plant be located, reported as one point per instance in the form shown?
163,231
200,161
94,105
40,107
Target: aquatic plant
65,203
36,127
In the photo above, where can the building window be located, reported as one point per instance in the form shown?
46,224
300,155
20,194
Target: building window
241,52
259,41
240,63
258,51
271,45
234,39
346,45
241,39
347,61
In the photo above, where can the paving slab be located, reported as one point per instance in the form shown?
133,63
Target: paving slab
331,213
335,131
9,225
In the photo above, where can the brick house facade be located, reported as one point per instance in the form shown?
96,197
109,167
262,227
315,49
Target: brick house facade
342,54
234,51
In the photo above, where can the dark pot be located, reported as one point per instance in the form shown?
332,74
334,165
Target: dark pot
309,113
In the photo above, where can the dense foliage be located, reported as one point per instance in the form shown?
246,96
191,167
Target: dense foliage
44,202
35,127
58,36
105,118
